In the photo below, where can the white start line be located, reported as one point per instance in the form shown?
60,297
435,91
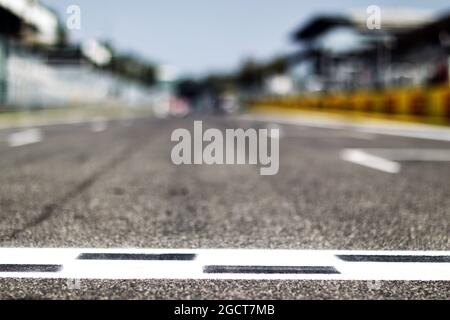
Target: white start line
85,263
387,160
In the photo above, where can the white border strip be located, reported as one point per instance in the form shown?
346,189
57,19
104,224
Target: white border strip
73,268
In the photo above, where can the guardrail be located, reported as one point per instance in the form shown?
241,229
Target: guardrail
431,104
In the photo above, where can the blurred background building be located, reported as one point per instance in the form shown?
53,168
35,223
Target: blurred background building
340,52
39,67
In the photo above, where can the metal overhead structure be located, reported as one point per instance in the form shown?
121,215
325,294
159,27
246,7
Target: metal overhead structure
30,19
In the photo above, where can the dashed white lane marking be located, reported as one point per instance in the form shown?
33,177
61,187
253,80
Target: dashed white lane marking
224,264
25,137
385,159
368,160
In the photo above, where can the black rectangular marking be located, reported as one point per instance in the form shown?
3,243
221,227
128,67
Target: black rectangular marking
271,269
137,256
30,267
394,258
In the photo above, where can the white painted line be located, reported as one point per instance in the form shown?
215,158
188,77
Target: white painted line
315,123
87,263
25,137
368,160
324,135
43,124
427,133
417,131
438,155
386,159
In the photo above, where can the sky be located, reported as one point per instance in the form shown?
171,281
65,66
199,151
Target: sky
201,36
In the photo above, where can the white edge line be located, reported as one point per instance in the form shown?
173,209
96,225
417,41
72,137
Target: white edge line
363,158
422,132
405,154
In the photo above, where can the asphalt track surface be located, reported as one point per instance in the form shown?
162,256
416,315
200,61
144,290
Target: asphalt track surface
117,188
